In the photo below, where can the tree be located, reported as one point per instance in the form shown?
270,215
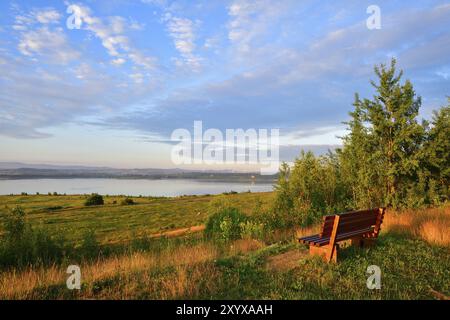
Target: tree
359,169
386,137
436,155
283,202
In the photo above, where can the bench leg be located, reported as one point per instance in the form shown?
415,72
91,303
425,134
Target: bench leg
363,242
332,253
368,243
358,242
324,252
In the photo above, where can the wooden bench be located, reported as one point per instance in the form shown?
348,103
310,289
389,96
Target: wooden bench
360,227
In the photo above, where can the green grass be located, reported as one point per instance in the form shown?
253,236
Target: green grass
410,268
115,223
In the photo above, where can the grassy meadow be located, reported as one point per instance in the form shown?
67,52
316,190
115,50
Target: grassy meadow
116,223
413,252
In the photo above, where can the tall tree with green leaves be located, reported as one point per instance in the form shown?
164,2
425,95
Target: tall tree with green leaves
359,170
385,137
436,156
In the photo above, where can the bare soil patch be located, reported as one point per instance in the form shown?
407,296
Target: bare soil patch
178,232
286,261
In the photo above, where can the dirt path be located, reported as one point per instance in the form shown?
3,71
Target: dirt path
285,261
178,232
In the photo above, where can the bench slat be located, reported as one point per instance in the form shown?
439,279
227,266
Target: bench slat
347,219
342,237
309,238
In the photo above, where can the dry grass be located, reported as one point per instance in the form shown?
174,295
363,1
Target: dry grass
431,225
129,276
245,245
303,232
20,285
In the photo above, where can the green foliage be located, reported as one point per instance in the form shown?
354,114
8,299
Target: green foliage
388,157
435,157
225,224
90,246
311,189
251,230
94,200
22,245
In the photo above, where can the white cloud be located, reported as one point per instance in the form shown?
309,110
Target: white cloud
182,31
142,60
83,71
36,16
51,44
250,20
47,16
118,61
35,97
111,32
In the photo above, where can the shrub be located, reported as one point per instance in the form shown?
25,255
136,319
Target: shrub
94,200
127,202
251,230
21,245
138,243
225,224
90,246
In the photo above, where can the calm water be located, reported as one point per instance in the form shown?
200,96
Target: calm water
130,187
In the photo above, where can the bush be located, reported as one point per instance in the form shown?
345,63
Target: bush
90,246
94,200
225,224
252,230
21,245
127,202
308,190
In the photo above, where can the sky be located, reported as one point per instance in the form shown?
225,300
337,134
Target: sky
105,83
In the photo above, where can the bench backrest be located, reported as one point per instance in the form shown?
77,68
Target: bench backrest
354,221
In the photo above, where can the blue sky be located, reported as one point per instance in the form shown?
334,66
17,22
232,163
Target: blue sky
111,92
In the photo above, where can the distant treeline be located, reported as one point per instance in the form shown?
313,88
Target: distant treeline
388,159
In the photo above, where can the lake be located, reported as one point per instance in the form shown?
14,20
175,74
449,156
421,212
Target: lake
132,187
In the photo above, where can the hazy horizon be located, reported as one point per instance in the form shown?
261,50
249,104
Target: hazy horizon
109,88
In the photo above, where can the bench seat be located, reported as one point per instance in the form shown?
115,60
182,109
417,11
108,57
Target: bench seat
316,240
361,227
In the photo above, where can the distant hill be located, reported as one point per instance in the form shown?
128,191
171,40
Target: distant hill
18,170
